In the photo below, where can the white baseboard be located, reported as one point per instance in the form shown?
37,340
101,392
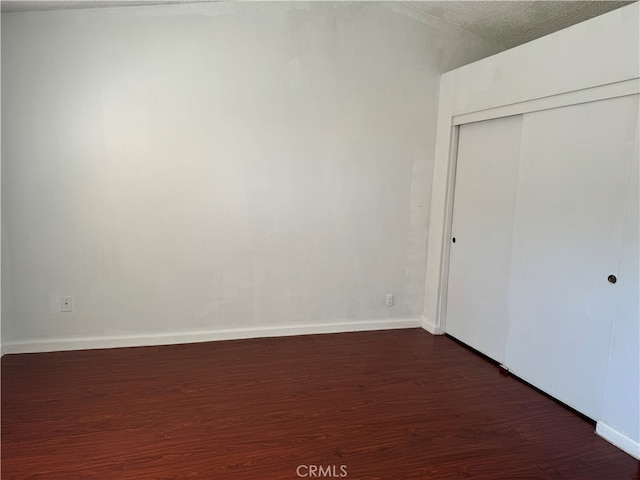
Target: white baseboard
116,341
618,439
431,327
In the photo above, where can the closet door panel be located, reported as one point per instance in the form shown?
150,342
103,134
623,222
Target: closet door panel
484,200
572,189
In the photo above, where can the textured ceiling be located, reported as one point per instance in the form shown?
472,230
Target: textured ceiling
504,23
511,23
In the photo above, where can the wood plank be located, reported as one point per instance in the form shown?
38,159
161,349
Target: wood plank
398,404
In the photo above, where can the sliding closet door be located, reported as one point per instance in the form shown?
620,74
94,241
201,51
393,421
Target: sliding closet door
571,203
484,200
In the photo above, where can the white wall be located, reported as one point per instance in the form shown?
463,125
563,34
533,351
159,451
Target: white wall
213,171
508,78
590,61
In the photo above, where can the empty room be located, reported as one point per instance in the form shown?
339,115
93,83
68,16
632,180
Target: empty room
282,240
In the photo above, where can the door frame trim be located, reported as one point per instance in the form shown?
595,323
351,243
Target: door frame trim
586,95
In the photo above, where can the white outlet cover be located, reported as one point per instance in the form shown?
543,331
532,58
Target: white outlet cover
66,304
388,299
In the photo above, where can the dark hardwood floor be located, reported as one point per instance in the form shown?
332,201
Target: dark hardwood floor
396,404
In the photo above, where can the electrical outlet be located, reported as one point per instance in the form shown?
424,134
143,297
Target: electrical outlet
66,304
388,299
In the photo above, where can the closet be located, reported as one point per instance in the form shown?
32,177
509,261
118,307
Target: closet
534,236
540,206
